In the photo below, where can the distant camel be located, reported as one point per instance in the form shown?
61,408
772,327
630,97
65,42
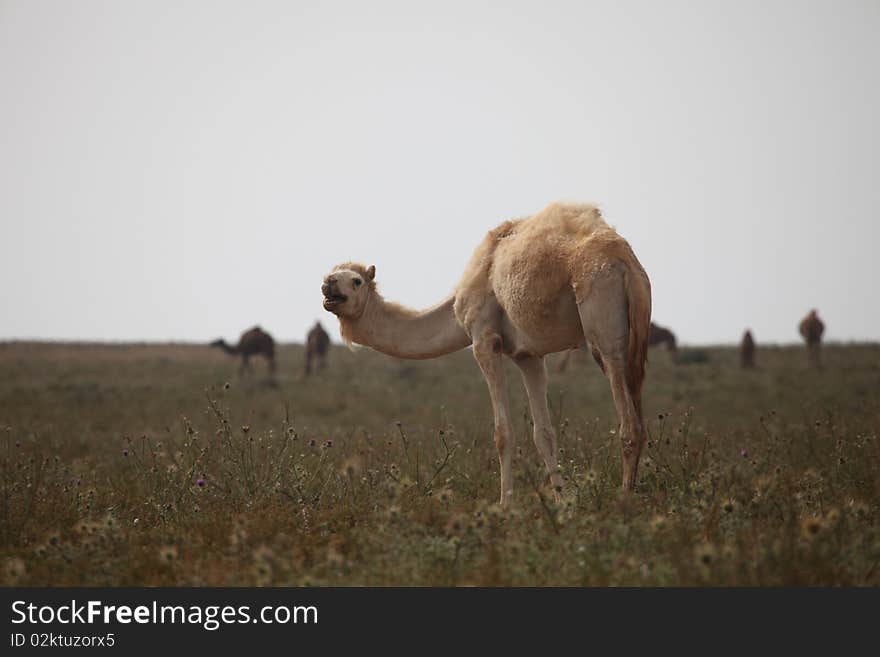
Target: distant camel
253,342
534,286
811,329
660,335
747,351
317,345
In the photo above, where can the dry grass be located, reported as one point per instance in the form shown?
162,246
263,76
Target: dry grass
135,465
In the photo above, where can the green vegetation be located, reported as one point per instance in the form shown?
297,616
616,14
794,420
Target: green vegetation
136,465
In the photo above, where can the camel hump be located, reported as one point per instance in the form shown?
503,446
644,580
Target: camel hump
579,218
256,333
505,229
545,252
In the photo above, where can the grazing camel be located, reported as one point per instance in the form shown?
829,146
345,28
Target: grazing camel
317,345
747,351
550,282
253,342
811,329
661,335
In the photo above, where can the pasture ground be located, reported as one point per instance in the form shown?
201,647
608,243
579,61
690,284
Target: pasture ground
137,465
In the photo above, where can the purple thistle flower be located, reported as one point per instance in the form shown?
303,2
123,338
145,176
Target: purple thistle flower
744,453
200,482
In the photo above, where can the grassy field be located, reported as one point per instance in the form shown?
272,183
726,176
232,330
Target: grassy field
155,465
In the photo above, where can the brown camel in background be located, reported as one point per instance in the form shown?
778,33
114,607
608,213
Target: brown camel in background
253,342
747,351
811,329
317,346
661,335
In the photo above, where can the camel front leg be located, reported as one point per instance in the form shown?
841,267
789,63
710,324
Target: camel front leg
488,355
534,375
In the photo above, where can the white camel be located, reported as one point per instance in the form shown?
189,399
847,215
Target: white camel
534,286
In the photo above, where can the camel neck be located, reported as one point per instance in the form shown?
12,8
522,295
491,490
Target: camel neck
404,333
227,348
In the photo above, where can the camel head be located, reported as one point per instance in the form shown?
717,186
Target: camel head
222,345
347,288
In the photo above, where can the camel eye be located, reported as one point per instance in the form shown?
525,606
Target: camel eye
357,282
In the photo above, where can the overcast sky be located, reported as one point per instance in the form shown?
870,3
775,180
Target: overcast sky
184,170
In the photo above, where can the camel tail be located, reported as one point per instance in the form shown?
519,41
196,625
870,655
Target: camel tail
638,296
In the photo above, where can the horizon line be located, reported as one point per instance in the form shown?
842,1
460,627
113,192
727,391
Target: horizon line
194,343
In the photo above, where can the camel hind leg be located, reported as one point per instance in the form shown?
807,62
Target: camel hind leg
605,321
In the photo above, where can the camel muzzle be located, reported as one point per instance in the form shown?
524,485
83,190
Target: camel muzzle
332,296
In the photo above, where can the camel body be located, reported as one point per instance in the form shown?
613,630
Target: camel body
253,342
662,335
317,345
747,351
534,286
533,274
811,329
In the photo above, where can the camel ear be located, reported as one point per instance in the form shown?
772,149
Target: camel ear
371,273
